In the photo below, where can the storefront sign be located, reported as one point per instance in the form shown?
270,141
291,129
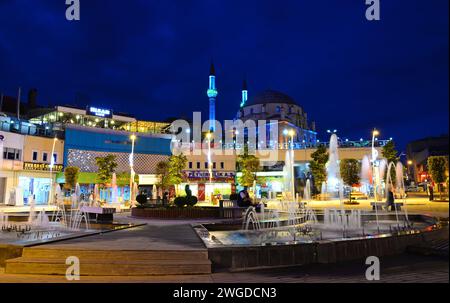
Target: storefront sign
42,167
99,112
216,176
148,179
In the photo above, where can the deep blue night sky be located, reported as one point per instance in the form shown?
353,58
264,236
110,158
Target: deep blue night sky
151,58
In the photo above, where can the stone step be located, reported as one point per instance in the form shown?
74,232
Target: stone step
108,267
45,253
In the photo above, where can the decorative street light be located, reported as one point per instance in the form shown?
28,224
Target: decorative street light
133,139
52,163
375,177
209,137
291,134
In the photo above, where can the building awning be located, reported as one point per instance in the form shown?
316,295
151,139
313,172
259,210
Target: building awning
91,178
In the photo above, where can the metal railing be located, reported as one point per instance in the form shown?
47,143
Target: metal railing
281,146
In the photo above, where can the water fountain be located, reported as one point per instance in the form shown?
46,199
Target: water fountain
4,221
333,172
307,191
366,175
341,219
334,185
288,173
114,192
41,220
32,205
390,185
154,192
401,186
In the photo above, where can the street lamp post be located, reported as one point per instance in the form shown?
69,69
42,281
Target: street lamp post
209,136
133,139
292,134
52,163
375,179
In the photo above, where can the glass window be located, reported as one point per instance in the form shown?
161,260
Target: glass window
206,164
35,155
45,157
55,158
222,165
214,165
190,165
198,165
12,153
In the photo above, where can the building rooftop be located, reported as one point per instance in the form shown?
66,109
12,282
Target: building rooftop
271,96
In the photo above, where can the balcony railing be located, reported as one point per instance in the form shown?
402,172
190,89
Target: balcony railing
281,146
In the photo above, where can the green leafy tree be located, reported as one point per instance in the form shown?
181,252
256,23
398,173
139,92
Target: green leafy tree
249,165
162,170
391,154
177,163
438,166
350,169
318,166
71,174
106,167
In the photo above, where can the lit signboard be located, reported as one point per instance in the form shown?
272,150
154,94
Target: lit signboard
99,112
42,167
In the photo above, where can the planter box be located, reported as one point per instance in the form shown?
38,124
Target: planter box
175,213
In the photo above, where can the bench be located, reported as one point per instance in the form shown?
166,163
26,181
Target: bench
382,205
99,214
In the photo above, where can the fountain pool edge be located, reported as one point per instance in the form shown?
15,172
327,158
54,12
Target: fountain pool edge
241,258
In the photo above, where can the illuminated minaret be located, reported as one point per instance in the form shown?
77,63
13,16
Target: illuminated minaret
212,94
244,93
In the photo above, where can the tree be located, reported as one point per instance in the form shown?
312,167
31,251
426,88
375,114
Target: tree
437,166
391,154
71,174
318,166
177,163
162,170
249,165
106,167
350,169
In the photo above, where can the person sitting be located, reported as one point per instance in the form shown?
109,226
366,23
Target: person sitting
188,191
165,199
390,201
244,199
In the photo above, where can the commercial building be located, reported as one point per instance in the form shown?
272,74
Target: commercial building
29,165
84,144
419,151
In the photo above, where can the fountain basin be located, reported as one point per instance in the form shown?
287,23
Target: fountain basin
241,250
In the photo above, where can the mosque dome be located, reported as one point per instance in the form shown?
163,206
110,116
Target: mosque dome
270,96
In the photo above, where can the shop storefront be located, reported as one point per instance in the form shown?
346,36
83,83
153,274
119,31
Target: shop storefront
211,190
87,182
36,180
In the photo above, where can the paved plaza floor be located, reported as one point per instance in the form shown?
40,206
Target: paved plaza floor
178,235
396,269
